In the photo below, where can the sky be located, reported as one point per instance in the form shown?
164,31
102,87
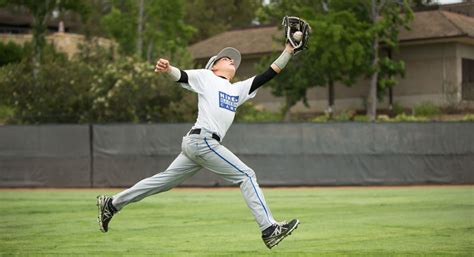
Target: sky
440,1
449,1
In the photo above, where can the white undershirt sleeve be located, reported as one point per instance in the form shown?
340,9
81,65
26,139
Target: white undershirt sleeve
174,73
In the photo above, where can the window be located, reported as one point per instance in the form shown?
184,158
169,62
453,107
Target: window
468,79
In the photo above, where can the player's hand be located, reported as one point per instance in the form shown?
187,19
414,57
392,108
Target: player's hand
162,65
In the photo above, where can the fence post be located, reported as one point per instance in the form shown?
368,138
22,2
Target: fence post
91,154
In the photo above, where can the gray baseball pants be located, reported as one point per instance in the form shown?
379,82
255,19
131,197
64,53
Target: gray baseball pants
198,151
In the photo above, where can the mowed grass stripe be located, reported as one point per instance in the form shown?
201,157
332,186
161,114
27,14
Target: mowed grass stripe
424,221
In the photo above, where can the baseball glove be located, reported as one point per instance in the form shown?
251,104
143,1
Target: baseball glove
292,25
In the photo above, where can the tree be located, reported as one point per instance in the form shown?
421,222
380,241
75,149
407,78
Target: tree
165,32
273,12
344,46
41,12
53,98
387,17
98,85
213,17
94,86
120,23
141,7
337,53
155,25
384,18
91,27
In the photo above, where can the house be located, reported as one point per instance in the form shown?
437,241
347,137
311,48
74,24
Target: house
16,26
68,43
438,53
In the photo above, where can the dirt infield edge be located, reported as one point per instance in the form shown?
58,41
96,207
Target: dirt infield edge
51,189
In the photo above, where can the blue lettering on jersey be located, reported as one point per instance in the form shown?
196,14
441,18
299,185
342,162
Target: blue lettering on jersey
228,102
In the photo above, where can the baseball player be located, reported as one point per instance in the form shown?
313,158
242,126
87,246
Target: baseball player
218,100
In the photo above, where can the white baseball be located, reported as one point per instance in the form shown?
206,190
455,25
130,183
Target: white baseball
298,35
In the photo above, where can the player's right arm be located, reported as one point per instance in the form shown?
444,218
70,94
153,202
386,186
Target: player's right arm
276,67
164,66
192,80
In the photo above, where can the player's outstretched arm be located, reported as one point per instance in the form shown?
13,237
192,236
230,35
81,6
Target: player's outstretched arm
275,68
164,66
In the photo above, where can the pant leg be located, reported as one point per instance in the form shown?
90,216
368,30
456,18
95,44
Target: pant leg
223,162
179,170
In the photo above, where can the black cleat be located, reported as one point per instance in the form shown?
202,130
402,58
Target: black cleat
274,234
106,212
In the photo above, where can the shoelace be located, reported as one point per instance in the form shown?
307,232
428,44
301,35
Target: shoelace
106,212
279,228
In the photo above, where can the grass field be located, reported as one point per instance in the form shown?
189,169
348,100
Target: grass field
411,221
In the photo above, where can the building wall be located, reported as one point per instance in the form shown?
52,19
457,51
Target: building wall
464,52
64,42
431,75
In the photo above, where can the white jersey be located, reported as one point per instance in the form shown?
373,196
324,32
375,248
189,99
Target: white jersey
218,99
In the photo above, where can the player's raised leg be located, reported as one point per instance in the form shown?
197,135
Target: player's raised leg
179,170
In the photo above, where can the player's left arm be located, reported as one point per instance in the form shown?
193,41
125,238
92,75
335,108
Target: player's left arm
277,66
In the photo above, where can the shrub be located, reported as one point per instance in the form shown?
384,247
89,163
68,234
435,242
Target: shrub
343,116
468,117
6,113
397,109
404,117
59,93
129,91
426,109
361,118
249,113
10,53
94,87
320,118
383,118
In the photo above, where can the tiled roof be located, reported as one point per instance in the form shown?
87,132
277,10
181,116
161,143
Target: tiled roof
438,24
249,41
259,40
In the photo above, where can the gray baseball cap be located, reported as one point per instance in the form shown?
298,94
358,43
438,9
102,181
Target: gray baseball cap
230,52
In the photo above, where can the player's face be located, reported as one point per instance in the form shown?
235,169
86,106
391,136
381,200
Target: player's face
225,64
227,60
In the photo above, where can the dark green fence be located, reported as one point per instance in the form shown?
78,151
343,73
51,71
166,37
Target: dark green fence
282,154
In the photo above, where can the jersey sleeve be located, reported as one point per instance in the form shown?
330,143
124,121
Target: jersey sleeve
244,88
195,80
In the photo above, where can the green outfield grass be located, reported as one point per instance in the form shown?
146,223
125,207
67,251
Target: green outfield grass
411,221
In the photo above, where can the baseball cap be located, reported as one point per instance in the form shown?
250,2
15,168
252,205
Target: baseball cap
230,52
